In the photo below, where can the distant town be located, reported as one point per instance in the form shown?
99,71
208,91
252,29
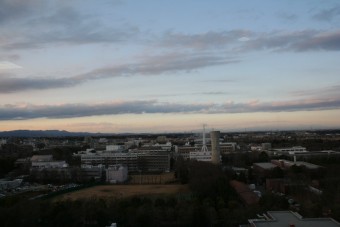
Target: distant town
210,178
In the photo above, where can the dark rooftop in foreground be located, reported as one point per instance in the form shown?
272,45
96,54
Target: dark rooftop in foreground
292,219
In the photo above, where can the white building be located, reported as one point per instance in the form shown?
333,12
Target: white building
116,174
290,150
115,148
204,156
147,159
46,161
51,164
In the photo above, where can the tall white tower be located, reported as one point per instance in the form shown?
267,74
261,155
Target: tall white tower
215,147
204,146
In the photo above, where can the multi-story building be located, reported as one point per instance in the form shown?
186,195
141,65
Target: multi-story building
184,151
289,150
204,156
107,159
147,159
227,148
46,161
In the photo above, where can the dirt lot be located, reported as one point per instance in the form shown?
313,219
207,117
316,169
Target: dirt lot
163,178
123,191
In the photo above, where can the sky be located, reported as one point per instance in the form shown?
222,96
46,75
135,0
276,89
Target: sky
169,66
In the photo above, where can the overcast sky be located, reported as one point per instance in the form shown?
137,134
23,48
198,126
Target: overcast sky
164,66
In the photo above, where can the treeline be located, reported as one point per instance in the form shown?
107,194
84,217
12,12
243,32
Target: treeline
211,202
146,211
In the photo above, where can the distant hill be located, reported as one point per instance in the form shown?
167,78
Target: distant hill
46,133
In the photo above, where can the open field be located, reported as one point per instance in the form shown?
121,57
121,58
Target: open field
162,178
124,191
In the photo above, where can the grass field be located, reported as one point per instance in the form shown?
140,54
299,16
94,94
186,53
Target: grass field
124,191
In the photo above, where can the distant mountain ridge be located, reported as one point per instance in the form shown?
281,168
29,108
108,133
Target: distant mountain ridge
46,133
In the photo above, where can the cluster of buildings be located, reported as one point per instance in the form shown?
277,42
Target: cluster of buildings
151,158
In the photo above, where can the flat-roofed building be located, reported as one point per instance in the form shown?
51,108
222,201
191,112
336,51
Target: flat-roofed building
290,150
154,161
50,164
263,166
226,148
202,156
107,159
145,159
45,162
286,164
42,158
245,193
184,151
116,174
291,219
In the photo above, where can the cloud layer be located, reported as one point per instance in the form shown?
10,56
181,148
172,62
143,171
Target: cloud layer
205,56
30,111
154,65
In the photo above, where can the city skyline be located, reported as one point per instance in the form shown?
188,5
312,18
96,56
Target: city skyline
162,66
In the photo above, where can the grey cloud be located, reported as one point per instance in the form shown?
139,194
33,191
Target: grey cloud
154,65
323,41
306,40
328,14
10,112
289,106
15,9
20,112
331,91
159,64
206,40
10,84
189,94
239,41
212,93
62,25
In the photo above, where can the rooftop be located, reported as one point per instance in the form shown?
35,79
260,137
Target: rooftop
289,218
41,158
247,195
265,165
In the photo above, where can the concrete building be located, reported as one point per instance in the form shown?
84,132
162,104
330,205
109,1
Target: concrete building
245,193
115,148
285,164
203,156
116,174
93,172
145,159
215,147
227,148
107,159
158,161
289,150
290,219
46,161
184,151
51,164
42,158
